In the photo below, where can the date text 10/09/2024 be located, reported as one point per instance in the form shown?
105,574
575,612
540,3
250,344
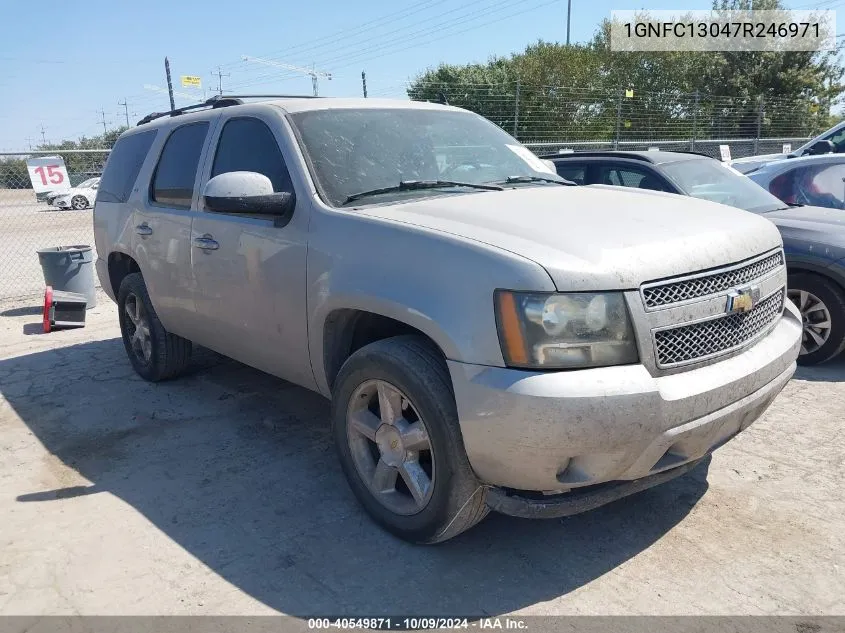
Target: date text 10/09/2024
417,623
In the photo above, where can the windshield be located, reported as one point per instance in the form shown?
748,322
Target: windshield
711,180
358,150
88,183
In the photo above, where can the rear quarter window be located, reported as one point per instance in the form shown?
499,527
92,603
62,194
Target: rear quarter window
123,165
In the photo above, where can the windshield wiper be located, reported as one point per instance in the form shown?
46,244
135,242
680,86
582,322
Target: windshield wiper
412,185
511,180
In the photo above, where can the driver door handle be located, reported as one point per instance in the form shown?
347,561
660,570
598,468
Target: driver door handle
206,243
144,229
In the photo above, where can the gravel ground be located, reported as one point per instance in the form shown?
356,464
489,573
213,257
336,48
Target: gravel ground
219,493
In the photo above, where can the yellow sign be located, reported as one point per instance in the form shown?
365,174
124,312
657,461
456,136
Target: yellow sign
627,124
629,93
191,81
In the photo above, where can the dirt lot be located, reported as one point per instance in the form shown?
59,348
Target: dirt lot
26,226
219,493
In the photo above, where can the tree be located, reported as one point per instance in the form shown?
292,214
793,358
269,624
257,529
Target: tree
585,91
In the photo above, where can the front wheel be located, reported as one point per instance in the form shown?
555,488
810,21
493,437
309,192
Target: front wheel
79,203
396,430
822,306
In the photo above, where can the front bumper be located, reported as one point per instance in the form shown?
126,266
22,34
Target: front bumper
558,431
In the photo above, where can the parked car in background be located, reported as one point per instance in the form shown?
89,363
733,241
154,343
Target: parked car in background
830,141
813,237
80,197
812,180
490,336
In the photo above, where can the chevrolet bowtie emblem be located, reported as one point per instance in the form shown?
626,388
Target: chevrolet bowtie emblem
742,299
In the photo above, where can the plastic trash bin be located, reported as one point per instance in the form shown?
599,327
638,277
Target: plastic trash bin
70,269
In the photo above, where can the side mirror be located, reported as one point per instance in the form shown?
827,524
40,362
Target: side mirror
821,147
250,193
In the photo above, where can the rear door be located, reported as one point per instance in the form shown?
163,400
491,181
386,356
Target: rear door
162,226
250,273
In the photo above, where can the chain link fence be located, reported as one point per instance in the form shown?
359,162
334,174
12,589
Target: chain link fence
628,116
28,221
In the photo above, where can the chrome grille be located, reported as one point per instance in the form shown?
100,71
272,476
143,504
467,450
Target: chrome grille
701,340
708,284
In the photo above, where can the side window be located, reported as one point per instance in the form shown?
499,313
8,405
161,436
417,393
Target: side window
838,140
123,165
571,171
630,177
820,186
247,144
176,172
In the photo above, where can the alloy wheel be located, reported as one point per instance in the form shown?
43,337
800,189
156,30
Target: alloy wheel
390,447
138,328
815,318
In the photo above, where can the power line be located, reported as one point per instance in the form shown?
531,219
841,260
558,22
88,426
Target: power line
402,34
347,33
397,44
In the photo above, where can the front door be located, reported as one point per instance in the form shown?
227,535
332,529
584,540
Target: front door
250,273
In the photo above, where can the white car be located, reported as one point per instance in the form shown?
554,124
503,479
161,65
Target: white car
79,197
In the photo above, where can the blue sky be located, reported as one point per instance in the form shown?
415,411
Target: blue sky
62,62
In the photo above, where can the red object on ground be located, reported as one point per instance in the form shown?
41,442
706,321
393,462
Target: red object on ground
48,303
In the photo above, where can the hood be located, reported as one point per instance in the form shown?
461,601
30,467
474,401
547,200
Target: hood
750,163
814,232
597,237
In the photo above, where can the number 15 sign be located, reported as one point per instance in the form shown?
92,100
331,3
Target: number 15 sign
47,173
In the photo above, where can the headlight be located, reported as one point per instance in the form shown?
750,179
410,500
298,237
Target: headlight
558,331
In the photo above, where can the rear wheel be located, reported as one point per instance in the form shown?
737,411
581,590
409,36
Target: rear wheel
79,203
822,306
155,353
396,430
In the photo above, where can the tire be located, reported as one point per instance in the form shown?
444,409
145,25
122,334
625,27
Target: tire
814,290
166,355
79,203
411,364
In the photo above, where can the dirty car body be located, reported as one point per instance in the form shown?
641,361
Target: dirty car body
487,335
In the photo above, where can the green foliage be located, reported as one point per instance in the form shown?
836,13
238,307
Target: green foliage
13,173
576,92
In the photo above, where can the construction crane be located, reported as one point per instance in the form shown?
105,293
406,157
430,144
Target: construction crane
311,72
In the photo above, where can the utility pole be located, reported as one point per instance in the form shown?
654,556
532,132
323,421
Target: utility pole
43,136
568,16
169,83
125,110
103,114
220,76
29,140
364,83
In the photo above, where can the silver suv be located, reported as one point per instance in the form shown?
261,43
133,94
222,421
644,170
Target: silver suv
489,335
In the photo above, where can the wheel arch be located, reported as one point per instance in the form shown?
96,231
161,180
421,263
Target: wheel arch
346,330
119,266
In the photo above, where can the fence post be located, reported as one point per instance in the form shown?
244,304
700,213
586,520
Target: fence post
618,118
694,122
516,111
759,127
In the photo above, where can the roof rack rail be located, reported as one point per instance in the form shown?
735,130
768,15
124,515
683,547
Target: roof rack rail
218,101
